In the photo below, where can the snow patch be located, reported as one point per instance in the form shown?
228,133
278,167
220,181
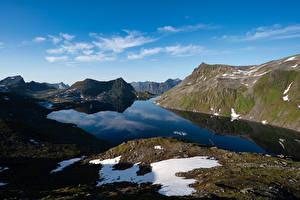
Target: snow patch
264,122
66,163
163,173
180,133
6,98
262,73
33,141
158,147
289,59
288,88
294,66
46,104
3,169
2,184
234,115
285,98
281,141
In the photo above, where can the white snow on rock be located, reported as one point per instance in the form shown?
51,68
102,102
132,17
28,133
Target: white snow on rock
3,169
2,184
261,74
289,59
112,161
294,66
287,89
285,98
46,105
66,163
163,173
180,133
33,141
281,141
264,122
158,147
234,115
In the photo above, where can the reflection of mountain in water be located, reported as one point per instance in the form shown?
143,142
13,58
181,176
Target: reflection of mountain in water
92,107
272,139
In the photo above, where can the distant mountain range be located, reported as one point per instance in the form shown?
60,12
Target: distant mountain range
154,87
266,93
17,84
59,86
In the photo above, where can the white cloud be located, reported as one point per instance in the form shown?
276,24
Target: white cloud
145,52
118,43
66,36
185,28
39,39
70,48
87,52
179,50
176,50
168,28
274,32
54,39
56,58
95,57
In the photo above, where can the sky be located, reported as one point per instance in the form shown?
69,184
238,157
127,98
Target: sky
70,40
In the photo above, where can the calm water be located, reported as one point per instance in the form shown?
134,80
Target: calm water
143,120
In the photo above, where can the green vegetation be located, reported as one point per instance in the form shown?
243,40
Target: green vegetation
255,93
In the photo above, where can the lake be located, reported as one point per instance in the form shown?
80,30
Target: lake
143,119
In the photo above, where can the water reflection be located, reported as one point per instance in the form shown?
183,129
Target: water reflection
144,119
273,139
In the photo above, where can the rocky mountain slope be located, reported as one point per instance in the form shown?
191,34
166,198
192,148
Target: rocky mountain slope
266,93
154,87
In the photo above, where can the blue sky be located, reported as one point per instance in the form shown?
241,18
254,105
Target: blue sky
64,40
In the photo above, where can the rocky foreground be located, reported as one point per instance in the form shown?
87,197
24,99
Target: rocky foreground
231,176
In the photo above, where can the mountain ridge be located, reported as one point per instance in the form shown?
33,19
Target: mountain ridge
155,87
265,93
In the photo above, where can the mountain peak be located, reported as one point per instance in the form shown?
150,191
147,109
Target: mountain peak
13,80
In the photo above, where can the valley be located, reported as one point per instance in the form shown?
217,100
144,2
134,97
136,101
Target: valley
106,139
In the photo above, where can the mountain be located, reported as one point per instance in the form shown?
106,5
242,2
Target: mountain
92,96
35,86
14,83
17,84
154,87
266,93
59,86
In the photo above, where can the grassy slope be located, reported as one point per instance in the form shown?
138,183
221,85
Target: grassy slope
261,102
